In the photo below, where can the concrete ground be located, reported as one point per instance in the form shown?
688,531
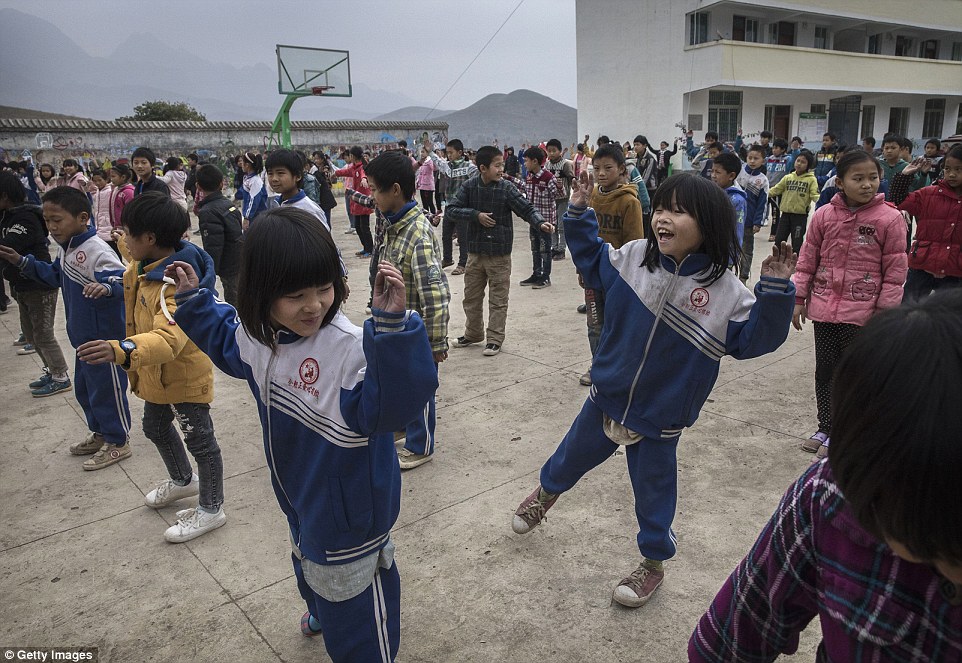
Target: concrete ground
84,562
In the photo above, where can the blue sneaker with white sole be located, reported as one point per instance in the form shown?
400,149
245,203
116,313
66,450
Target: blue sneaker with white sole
42,381
51,388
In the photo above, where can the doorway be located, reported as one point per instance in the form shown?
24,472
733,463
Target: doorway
843,118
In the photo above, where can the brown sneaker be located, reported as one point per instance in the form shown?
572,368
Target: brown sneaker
90,445
108,455
457,271
531,512
635,590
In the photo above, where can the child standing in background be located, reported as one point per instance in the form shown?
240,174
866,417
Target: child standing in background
541,188
777,166
425,182
753,179
175,178
254,196
798,190
852,265
121,193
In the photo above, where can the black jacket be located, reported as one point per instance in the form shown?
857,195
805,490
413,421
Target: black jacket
221,232
153,184
22,229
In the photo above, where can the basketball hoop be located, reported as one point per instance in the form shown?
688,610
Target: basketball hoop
319,90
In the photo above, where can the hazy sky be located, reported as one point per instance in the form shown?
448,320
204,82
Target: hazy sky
415,47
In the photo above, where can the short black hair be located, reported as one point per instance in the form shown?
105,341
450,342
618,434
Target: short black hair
456,144
144,153
781,143
711,136
286,249
12,187
895,453
955,152
536,153
157,213
906,143
487,154
870,140
765,134
714,146
603,140
641,139
289,160
755,147
73,201
799,139
209,178
853,157
123,170
402,143
193,157
830,135
934,141
98,172
809,159
390,168
892,138
554,142
610,151
709,205
729,162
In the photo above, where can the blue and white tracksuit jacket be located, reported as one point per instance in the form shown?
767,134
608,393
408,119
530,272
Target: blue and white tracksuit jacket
101,390
665,333
329,405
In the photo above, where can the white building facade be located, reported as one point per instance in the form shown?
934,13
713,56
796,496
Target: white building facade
856,67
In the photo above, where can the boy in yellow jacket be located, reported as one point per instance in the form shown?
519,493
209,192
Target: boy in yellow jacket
165,368
798,189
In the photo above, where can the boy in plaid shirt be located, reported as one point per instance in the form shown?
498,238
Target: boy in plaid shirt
410,245
541,187
484,204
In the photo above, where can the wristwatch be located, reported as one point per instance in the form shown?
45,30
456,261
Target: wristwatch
128,347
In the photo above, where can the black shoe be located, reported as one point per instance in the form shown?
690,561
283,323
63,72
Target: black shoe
462,342
531,280
558,256
542,283
582,308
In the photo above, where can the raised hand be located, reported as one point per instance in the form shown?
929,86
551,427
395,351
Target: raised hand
184,276
581,188
388,289
915,166
781,264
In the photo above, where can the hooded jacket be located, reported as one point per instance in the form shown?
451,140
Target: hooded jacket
618,213
798,192
220,230
166,367
22,229
852,263
85,258
328,406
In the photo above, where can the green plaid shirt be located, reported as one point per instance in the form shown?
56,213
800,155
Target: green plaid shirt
411,245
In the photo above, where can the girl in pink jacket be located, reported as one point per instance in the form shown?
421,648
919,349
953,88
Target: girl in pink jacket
852,265
425,181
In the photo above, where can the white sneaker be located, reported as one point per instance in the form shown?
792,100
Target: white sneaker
169,491
192,523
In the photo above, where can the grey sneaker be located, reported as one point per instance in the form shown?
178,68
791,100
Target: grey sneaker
192,523
408,460
531,512
635,590
90,445
108,455
168,492
491,349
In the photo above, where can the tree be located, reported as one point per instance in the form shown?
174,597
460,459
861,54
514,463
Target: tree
165,110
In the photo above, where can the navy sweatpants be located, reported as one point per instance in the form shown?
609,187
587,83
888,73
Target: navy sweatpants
364,628
101,391
419,434
652,466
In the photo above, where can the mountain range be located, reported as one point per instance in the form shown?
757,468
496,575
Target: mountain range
44,68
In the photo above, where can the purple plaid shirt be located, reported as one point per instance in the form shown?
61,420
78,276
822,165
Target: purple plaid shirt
814,559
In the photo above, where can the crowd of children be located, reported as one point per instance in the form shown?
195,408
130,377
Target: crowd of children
650,249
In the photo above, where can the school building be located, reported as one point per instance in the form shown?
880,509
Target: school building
856,68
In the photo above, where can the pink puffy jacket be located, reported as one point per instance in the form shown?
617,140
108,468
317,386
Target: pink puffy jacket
425,176
853,263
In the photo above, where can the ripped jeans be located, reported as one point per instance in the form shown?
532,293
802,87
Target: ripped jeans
195,422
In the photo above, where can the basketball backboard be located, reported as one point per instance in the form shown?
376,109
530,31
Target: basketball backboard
313,71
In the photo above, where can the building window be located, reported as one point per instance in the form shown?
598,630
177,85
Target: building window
817,108
781,33
868,121
875,44
744,29
898,121
929,49
957,51
695,122
724,113
697,28
903,46
934,118
821,37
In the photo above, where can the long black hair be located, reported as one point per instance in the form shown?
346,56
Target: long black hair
711,208
285,250
895,451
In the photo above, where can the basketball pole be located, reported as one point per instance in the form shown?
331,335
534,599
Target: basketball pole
281,129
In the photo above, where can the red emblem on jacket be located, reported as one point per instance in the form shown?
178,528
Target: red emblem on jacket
699,297
309,371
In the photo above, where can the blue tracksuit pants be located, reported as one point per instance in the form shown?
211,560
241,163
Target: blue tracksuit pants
419,434
652,466
102,394
364,628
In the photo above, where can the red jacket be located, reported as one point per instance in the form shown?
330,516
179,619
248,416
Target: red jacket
356,171
852,264
938,238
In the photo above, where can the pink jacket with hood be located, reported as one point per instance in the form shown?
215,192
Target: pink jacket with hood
853,262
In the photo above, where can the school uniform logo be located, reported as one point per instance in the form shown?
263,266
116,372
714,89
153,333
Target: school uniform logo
81,257
309,371
699,298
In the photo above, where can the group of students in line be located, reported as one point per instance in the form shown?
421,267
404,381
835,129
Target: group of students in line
333,396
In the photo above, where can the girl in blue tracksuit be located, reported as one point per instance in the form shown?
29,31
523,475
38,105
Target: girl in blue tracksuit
677,312
329,396
253,193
